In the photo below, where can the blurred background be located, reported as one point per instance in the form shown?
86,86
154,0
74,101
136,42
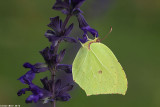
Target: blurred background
135,40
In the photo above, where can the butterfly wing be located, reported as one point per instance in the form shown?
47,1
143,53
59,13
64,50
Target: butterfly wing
97,71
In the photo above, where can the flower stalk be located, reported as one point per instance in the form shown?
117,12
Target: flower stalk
65,22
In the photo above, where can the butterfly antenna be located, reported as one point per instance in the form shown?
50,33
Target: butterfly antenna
107,34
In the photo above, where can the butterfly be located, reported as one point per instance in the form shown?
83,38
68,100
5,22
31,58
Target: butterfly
97,71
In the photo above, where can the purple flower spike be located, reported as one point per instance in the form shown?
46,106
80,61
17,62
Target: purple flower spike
60,30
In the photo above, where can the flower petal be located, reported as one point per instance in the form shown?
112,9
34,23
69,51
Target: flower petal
91,30
85,27
84,39
66,89
37,94
61,56
46,84
27,78
41,67
65,67
58,85
50,35
77,11
55,24
31,98
64,97
27,65
49,56
68,30
22,91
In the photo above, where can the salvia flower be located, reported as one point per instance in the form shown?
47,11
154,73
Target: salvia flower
37,93
61,92
36,68
65,67
46,94
86,28
30,75
49,56
58,34
69,7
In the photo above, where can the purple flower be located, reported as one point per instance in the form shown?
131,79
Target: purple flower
60,56
58,34
61,90
61,93
27,78
30,75
86,28
69,7
50,57
22,91
56,24
65,67
37,93
36,68
47,84
54,59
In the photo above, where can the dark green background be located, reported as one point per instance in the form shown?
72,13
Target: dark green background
135,40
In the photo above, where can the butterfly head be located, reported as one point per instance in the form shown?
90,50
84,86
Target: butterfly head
89,42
